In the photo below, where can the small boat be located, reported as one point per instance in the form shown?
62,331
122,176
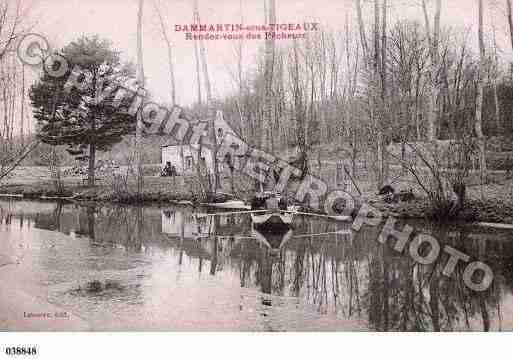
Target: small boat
59,198
278,218
276,211
233,204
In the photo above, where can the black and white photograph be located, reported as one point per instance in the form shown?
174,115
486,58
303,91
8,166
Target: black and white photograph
255,166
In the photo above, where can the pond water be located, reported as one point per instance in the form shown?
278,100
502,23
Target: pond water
128,268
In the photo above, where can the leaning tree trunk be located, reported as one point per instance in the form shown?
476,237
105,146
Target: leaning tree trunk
172,73
8,166
169,54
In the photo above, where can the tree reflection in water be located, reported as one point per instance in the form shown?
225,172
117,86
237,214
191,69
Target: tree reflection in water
339,273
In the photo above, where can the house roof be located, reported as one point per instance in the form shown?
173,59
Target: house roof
219,123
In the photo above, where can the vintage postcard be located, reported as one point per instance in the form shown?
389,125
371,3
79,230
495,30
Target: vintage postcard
259,165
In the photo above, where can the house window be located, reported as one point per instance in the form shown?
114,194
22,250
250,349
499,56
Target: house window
220,133
188,162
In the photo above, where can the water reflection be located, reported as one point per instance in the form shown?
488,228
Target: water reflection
318,275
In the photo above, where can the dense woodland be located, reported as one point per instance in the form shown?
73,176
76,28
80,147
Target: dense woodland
359,90
399,80
345,94
423,85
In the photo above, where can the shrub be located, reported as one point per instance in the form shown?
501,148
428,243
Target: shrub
502,161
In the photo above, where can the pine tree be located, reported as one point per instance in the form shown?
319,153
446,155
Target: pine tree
85,116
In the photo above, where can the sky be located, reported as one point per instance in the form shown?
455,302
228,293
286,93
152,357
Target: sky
62,21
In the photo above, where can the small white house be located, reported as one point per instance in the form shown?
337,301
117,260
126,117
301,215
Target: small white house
184,156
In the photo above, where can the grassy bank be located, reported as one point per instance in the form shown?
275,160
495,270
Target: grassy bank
488,210
154,190
492,202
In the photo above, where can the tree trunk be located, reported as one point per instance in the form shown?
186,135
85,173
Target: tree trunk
90,222
91,169
510,21
498,124
10,165
212,113
361,27
172,73
479,99
384,50
240,80
198,71
384,160
268,81
169,54
495,79
378,83
200,101
377,53
433,86
140,80
22,106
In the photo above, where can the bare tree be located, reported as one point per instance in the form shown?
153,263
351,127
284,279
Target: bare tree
140,80
11,18
376,80
211,111
268,79
433,39
169,52
383,169
480,90
494,74
510,21
13,24
298,101
197,62
352,68
361,27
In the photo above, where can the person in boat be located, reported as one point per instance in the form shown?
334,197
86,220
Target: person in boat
264,198
268,200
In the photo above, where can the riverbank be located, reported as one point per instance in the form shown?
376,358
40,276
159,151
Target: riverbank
155,190
489,210
493,203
